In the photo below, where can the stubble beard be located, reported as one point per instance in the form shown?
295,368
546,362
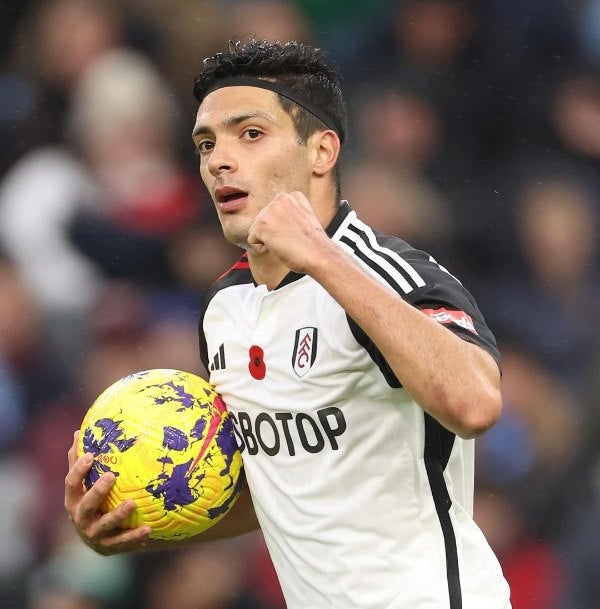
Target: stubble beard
236,235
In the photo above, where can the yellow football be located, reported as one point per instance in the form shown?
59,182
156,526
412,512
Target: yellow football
169,440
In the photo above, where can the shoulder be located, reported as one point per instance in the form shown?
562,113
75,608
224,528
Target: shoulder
418,278
405,268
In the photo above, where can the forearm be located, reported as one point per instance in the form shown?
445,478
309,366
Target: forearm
454,381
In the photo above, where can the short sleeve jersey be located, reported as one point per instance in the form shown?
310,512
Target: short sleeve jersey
365,501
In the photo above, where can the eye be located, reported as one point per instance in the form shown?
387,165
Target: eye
204,146
252,133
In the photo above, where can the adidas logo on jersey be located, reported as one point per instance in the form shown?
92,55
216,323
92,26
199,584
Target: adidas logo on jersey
218,362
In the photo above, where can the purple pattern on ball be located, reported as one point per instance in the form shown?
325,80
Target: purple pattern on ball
175,489
174,439
227,444
198,430
112,434
184,398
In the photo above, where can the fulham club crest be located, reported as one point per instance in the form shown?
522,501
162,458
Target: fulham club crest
305,350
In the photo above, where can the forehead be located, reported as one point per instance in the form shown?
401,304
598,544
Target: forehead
228,103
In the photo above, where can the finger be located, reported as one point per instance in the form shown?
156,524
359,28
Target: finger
91,501
114,519
109,524
123,541
255,242
108,535
74,489
258,247
72,454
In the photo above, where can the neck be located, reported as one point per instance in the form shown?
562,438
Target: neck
266,269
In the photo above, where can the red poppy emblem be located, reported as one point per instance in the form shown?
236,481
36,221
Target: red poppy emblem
256,365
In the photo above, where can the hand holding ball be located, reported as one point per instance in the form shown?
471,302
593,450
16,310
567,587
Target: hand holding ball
169,440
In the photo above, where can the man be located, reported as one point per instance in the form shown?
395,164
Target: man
357,368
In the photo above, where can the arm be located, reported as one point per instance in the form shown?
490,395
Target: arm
457,382
102,532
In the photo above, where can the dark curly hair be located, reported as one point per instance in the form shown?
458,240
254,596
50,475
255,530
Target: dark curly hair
303,70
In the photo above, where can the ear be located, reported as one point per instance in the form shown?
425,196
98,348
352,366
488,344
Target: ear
326,149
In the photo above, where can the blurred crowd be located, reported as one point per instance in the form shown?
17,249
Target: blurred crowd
474,134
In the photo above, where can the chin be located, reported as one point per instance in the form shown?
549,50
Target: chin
233,231
240,240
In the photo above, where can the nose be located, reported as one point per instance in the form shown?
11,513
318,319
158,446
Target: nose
221,159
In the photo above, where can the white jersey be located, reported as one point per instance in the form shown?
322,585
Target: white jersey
365,501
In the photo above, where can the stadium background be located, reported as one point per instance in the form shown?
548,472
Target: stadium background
475,134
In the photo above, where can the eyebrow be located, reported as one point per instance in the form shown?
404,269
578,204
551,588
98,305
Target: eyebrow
233,121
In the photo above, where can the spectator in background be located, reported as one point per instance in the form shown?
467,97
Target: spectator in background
548,303
273,19
534,567
193,28
123,120
432,50
152,223
52,46
531,453
576,114
30,373
408,127
579,538
400,203
33,371
109,207
343,27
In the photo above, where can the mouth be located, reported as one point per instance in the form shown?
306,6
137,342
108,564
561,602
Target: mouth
229,198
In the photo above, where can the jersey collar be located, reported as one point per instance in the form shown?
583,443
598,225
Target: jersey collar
342,211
